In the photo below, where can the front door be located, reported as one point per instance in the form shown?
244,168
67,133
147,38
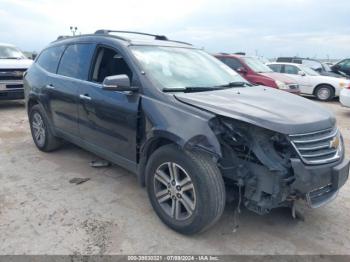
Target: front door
108,119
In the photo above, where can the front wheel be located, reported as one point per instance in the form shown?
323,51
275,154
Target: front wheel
185,188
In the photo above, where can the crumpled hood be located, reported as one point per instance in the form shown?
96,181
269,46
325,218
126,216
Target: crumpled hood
265,107
15,63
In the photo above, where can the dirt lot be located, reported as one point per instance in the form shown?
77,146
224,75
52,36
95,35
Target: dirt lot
42,213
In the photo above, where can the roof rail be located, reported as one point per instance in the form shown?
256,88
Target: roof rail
62,37
156,37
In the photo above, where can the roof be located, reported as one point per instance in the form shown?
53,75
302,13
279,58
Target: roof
156,40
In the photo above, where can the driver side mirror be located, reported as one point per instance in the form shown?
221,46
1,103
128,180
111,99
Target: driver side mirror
118,83
301,73
242,70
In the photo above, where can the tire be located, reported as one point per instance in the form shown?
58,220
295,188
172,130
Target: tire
324,92
204,190
45,141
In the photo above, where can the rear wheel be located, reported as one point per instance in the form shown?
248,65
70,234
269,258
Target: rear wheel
41,131
324,92
186,189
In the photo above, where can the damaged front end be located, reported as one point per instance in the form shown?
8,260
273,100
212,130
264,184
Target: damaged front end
270,167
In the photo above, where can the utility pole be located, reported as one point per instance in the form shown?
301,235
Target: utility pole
73,29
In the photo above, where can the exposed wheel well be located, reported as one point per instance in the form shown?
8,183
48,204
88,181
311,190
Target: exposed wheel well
152,147
157,143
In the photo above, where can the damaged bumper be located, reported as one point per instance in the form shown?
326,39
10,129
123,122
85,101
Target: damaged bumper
319,184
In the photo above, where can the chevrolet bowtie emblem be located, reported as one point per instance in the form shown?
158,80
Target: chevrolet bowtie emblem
335,142
18,73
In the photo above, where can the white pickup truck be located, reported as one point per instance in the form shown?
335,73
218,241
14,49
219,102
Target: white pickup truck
13,64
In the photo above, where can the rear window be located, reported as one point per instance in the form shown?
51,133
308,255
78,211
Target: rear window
76,61
50,57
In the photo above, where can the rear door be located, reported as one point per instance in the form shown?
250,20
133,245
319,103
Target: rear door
72,71
108,119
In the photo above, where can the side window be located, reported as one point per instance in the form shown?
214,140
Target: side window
290,69
276,67
50,57
76,60
232,62
108,63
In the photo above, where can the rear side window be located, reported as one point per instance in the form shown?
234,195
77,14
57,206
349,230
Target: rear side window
50,57
76,61
276,68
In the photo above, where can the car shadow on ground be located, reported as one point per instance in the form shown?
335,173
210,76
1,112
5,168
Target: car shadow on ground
11,104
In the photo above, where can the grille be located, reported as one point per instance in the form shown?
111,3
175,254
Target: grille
319,147
293,86
11,74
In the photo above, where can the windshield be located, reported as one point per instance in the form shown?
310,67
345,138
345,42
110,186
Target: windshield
10,52
327,67
309,71
256,65
178,68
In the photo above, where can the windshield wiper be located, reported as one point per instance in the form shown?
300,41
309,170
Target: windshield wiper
237,84
191,89
9,57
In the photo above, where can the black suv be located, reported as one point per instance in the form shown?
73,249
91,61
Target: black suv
191,128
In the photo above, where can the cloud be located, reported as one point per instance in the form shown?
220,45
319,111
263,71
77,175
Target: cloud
269,27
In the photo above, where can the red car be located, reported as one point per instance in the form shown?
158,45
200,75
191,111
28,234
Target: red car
256,72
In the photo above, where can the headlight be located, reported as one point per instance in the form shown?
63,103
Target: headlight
281,85
344,84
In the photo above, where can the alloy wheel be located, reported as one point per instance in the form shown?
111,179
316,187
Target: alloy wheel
174,191
38,126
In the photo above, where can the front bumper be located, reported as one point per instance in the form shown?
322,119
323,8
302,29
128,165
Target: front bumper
11,90
345,97
319,184
12,94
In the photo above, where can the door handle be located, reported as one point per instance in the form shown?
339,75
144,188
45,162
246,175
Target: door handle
50,86
85,97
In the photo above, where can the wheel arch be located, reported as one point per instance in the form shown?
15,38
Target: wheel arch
323,84
32,101
162,138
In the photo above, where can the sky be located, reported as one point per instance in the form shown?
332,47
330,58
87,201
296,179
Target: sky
269,28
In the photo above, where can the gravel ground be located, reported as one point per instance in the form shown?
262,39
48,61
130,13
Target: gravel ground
42,213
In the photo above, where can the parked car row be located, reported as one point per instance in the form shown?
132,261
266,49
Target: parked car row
310,82
191,128
321,68
253,70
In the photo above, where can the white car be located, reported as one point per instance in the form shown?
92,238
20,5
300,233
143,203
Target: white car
311,82
344,97
13,64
